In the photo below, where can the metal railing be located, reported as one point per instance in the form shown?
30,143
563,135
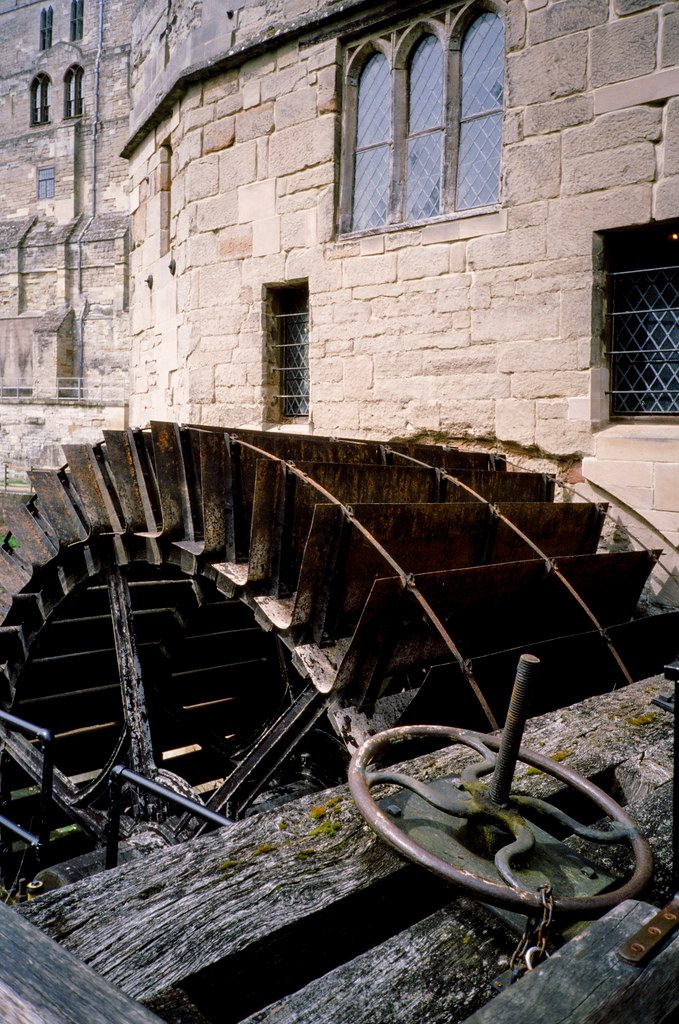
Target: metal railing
15,478
45,738
118,775
79,390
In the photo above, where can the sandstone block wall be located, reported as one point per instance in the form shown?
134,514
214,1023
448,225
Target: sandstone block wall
64,295
64,143
37,430
487,326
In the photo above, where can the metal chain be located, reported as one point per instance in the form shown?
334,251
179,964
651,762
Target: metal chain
532,947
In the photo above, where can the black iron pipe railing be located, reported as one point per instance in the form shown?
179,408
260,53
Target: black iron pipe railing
118,775
672,672
45,738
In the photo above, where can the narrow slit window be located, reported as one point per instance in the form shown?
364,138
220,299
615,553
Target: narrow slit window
46,17
76,20
482,82
373,145
425,131
291,345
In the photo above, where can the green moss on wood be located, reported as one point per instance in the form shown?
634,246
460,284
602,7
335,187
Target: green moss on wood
643,719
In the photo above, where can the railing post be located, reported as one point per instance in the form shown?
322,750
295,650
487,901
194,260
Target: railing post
46,739
113,817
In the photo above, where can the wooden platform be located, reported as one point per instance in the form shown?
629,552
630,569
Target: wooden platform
301,914
42,983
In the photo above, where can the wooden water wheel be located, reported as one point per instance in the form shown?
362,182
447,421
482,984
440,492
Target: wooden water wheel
218,608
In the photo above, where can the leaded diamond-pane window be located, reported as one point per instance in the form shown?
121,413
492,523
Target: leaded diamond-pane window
373,144
425,131
478,170
645,355
423,112
292,347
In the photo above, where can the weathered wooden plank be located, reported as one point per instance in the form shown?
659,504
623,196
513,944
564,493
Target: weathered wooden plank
283,887
585,982
42,983
439,970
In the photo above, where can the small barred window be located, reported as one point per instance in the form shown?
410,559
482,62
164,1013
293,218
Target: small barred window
644,315
289,337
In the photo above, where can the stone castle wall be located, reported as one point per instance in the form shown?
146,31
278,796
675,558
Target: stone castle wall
483,326
64,293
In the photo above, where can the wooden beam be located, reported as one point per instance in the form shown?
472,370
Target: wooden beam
585,982
439,969
42,983
307,887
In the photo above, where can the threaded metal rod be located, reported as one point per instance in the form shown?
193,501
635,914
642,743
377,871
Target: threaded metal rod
517,713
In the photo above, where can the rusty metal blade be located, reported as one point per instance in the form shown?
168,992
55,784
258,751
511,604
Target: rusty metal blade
171,481
35,546
555,529
91,487
496,487
353,484
123,457
57,506
265,521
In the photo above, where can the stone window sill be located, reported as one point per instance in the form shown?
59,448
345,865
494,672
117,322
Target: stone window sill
460,217
639,439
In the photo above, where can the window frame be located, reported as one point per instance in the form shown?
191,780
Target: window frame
398,46
279,301
40,99
39,182
73,92
46,22
76,20
631,253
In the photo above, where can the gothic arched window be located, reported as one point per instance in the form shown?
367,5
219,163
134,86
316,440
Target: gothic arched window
73,91
423,113
373,145
46,16
424,143
41,88
481,89
76,20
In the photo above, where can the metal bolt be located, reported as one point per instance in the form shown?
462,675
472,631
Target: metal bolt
517,713
588,872
636,947
394,810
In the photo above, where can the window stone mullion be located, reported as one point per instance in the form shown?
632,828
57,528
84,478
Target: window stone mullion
399,128
451,135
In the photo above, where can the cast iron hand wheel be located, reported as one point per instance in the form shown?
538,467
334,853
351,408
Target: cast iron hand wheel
468,798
